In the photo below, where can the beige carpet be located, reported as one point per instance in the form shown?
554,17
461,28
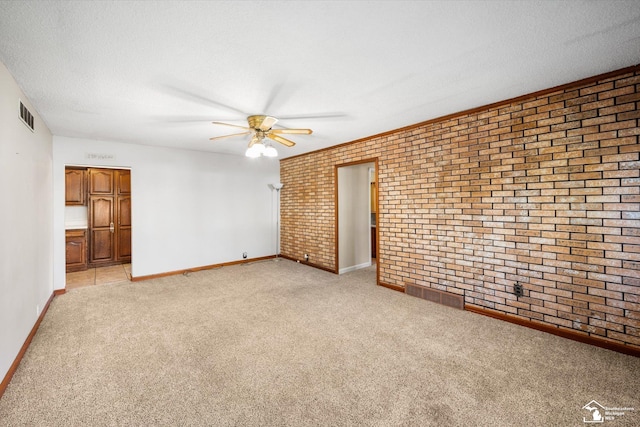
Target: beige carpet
280,343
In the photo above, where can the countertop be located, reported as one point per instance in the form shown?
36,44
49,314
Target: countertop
75,226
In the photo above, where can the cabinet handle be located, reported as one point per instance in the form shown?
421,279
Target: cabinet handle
73,243
111,227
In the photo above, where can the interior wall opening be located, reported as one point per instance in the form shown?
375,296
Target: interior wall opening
97,225
356,222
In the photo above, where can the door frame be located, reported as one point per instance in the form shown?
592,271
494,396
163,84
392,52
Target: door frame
373,160
90,166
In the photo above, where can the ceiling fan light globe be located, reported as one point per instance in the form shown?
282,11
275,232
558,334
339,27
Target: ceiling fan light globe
252,153
270,152
256,150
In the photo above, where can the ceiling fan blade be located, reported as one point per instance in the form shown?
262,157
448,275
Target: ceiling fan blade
281,140
195,97
292,131
275,91
229,136
268,123
181,119
335,115
229,124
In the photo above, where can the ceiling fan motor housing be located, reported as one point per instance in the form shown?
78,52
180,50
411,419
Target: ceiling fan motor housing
261,122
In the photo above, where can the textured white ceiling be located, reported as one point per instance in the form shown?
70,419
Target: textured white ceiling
158,72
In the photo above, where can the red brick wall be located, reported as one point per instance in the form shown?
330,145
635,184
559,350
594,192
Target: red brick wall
543,191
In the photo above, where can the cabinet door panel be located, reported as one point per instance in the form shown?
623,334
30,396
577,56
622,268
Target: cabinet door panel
74,187
76,251
123,181
101,212
124,244
101,245
124,211
124,228
101,181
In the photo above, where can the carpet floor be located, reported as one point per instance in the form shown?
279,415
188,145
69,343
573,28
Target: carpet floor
282,344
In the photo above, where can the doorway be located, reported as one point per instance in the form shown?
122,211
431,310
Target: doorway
97,224
356,216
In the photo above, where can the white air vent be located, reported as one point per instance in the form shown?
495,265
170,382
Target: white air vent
26,116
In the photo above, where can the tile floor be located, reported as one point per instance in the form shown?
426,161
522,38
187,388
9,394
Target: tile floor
99,276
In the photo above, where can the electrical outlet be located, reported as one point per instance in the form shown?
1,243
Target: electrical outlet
37,309
306,257
244,255
518,290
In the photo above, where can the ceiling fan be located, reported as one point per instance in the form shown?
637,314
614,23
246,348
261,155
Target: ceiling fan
261,128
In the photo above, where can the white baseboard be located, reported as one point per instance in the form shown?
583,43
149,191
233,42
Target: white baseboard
354,267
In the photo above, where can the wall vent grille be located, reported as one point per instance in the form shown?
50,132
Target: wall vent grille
26,116
435,295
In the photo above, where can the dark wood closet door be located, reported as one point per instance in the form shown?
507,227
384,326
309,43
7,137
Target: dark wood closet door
109,216
101,211
124,228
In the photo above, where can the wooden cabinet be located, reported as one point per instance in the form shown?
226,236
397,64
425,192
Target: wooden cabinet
109,216
75,187
76,250
107,192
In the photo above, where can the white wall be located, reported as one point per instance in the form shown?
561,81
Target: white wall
26,217
354,220
189,209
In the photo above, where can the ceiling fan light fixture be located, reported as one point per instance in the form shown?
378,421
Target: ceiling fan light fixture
261,127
